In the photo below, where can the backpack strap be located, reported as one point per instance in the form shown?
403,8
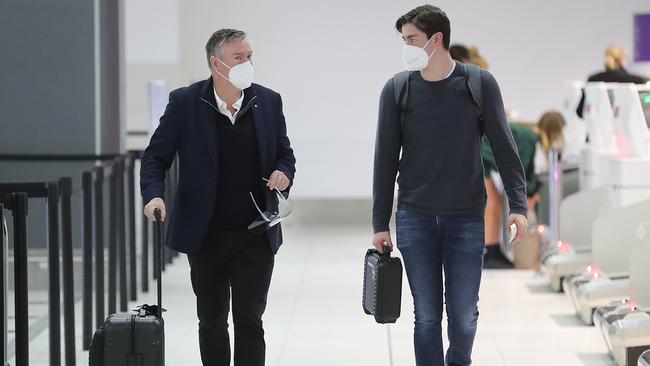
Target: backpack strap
473,81
401,89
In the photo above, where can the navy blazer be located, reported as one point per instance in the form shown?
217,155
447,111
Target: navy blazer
188,128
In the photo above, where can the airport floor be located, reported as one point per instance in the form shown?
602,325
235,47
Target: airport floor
314,314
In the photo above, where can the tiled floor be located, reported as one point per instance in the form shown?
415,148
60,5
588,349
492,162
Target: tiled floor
314,316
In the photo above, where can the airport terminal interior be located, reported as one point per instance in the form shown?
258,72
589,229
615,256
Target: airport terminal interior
84,86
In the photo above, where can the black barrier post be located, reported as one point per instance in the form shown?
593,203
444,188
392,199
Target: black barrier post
65,189
130,176
174,190
169,204
169,254
121,229
54,288
3,282
87,248
112,240
100,313
173,175
19,208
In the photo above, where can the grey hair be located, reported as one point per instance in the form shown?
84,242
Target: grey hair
214,47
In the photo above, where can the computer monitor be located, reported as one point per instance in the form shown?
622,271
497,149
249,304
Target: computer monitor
644,96
598,116
630,120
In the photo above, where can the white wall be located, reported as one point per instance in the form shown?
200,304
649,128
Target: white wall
330,59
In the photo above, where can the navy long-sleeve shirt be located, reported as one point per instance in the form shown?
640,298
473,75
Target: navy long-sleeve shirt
440,167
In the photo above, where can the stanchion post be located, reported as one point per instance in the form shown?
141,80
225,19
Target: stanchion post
65,191
112,240
100,302
54,283
87,253
19,208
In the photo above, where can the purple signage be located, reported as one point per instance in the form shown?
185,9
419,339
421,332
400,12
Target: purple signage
642,37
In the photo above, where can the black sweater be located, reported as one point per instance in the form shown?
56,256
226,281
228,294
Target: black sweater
239,171
440,169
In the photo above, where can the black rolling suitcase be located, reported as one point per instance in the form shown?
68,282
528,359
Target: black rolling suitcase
136,338
382,286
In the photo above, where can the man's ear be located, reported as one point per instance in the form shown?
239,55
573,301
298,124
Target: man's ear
439,38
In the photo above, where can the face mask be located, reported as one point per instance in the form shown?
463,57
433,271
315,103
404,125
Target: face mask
240,76
416,58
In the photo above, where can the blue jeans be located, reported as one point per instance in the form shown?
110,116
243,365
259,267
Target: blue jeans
428,245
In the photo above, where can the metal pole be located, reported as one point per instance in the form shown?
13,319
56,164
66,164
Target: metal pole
87,235
3,282
53,258
158,243
65,189
174,191
131,225
100,309
121,229
169,204
171,188
112,240
169,255
555,194
156,255
19,207
145,255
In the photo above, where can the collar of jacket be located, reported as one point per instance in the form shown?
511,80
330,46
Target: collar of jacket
207,93
207,98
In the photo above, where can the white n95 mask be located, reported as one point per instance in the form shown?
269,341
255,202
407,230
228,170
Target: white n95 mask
240,76
416,58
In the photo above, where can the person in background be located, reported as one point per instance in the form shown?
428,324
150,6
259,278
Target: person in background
477,59
615,72
471,55
459,53
550,128
526,140
547,135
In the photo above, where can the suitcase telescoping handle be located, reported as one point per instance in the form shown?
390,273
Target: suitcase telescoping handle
157,241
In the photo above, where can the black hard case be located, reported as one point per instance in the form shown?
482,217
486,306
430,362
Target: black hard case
382,286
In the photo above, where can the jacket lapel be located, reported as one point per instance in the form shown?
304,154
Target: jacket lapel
208,122
261,132
208,119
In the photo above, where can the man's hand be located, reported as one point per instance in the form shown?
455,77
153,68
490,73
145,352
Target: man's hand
278,180
380,239
153,204
522,226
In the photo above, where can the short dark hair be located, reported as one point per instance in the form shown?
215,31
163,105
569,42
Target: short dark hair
215,44
459,53
430,20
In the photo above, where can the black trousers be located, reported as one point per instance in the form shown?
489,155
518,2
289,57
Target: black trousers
238,263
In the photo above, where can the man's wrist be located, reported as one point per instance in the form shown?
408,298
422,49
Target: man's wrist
380,229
